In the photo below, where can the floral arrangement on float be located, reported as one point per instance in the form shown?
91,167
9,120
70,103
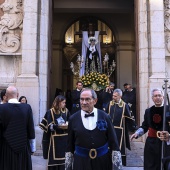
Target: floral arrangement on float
95,80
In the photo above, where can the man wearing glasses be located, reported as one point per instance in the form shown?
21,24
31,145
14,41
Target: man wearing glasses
153,123
92,139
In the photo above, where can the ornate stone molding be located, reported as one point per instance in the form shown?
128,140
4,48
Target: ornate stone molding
11,26
167,14
167,41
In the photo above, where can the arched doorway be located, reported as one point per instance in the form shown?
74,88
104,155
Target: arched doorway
73,46
118,17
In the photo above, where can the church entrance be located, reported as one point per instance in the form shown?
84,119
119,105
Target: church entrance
115,22
117,39
78,37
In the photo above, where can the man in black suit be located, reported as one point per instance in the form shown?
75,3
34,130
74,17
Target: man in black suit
107,95
75,95
17,134
90,134
130,98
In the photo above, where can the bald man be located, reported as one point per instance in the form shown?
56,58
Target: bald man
17,134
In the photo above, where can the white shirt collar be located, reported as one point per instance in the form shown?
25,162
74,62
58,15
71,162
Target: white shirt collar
14,100
160,106
94,109
90,122
118,101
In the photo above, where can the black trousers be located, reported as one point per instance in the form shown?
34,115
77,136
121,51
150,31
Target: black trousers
152,154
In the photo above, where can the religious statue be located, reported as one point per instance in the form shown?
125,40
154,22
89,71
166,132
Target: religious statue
91,54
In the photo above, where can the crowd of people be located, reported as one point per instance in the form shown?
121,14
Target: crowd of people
84,133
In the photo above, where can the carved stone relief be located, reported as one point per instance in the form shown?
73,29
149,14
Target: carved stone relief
167,24
11,26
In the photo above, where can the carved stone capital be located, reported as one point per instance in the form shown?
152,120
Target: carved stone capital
167,41
167,20
166,4
11,26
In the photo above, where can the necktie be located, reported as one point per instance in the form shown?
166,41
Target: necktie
88,115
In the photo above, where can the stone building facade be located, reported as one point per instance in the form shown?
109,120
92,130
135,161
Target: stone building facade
32,34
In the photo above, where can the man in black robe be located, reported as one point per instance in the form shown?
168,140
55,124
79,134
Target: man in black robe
75,95
107,95
153,122
129,96
17,133
90,134
122,120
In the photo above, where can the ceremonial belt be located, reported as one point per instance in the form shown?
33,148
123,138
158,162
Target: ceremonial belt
92,153
76,105
152,133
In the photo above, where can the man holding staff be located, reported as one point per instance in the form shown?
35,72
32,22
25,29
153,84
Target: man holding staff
153,124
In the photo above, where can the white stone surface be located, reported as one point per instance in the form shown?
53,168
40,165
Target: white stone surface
156,5
157,17
43,55
155,36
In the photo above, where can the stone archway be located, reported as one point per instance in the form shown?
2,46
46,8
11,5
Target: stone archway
73,44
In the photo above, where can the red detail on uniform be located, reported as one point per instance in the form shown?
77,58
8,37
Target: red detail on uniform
157,118
152,133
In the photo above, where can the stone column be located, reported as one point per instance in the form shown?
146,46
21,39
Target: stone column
57,73
167,35
143,56
27,82
157,44
44,39
151,50
44,57
33,82
124,65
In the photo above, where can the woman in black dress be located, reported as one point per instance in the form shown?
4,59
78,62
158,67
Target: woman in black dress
55,134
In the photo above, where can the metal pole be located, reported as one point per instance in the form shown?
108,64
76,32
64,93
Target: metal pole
164,120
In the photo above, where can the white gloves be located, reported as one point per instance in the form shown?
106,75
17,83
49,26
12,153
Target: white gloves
116,160
32,145
68,160
140,132
53,127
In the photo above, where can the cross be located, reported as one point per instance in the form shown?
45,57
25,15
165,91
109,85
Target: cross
91,31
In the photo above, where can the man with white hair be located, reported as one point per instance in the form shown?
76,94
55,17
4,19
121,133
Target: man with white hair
153,122
121,119
17,134
92,142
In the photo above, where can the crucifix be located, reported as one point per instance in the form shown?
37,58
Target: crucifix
91,30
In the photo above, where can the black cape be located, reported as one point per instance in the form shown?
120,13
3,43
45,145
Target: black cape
17,127
121,119
54,142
